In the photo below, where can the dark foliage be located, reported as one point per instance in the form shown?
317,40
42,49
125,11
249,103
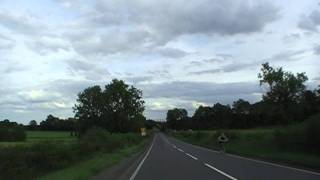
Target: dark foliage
286,102
11,131
28,162
117,108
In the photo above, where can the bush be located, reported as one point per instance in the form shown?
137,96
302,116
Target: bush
313,133
28,162
97,139
16,133
304,136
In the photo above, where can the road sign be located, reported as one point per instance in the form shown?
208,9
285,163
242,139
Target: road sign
143,131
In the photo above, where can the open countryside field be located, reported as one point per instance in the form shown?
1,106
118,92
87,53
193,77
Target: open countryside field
37,136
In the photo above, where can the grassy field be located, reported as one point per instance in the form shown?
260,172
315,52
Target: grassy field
94,165
37,136
256,143
57,155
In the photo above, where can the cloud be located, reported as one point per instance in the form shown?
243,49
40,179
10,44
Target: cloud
291,37
21,23
310,22
206,92
6,43
225,69
47,44
89,70
171,52
288,55
139,79
316,49
111,27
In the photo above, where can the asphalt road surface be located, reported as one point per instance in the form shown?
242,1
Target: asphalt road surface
169,159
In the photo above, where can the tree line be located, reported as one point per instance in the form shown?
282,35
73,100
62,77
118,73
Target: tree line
118,108
286,101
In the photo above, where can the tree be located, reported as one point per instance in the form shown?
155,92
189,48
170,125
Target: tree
33,125
118,108
222,116
176,118
89,108
123,105
284,87
203,118
241,106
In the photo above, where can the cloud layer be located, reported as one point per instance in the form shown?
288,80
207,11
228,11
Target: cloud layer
180,53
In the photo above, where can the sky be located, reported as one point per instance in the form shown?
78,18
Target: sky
181,54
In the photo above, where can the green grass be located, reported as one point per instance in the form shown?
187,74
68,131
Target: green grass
256,143
94,165
37,136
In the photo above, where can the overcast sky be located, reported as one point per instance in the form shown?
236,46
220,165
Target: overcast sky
180,53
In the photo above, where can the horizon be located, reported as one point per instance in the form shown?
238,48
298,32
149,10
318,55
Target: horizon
180,54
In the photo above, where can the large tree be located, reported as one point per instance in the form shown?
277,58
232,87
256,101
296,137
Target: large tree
284,87
118,108
177,118
241,106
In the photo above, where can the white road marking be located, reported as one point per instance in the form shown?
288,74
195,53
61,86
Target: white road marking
273,164
174,146
142,161
180,150
221,172
254,160
191,156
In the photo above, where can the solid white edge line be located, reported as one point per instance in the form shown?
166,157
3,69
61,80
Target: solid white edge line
221,172
142,161
191,156
273,164
255,160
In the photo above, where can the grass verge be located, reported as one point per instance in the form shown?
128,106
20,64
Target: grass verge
94,165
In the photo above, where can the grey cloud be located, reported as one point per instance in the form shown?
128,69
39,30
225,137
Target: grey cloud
147,25
89,70
24,24
180,17
6,43
316,49
291,37
139,79
14,68
289,55
204,62
226,68
46,44
171,52
310,22
202,91
317,78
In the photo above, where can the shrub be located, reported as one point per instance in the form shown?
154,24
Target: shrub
28,162
313,133
304,136
15,133
96,139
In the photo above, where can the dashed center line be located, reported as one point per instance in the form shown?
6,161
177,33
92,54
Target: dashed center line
191,156
206,164
180,150
221,172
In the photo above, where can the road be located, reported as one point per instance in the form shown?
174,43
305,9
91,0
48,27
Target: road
170,159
